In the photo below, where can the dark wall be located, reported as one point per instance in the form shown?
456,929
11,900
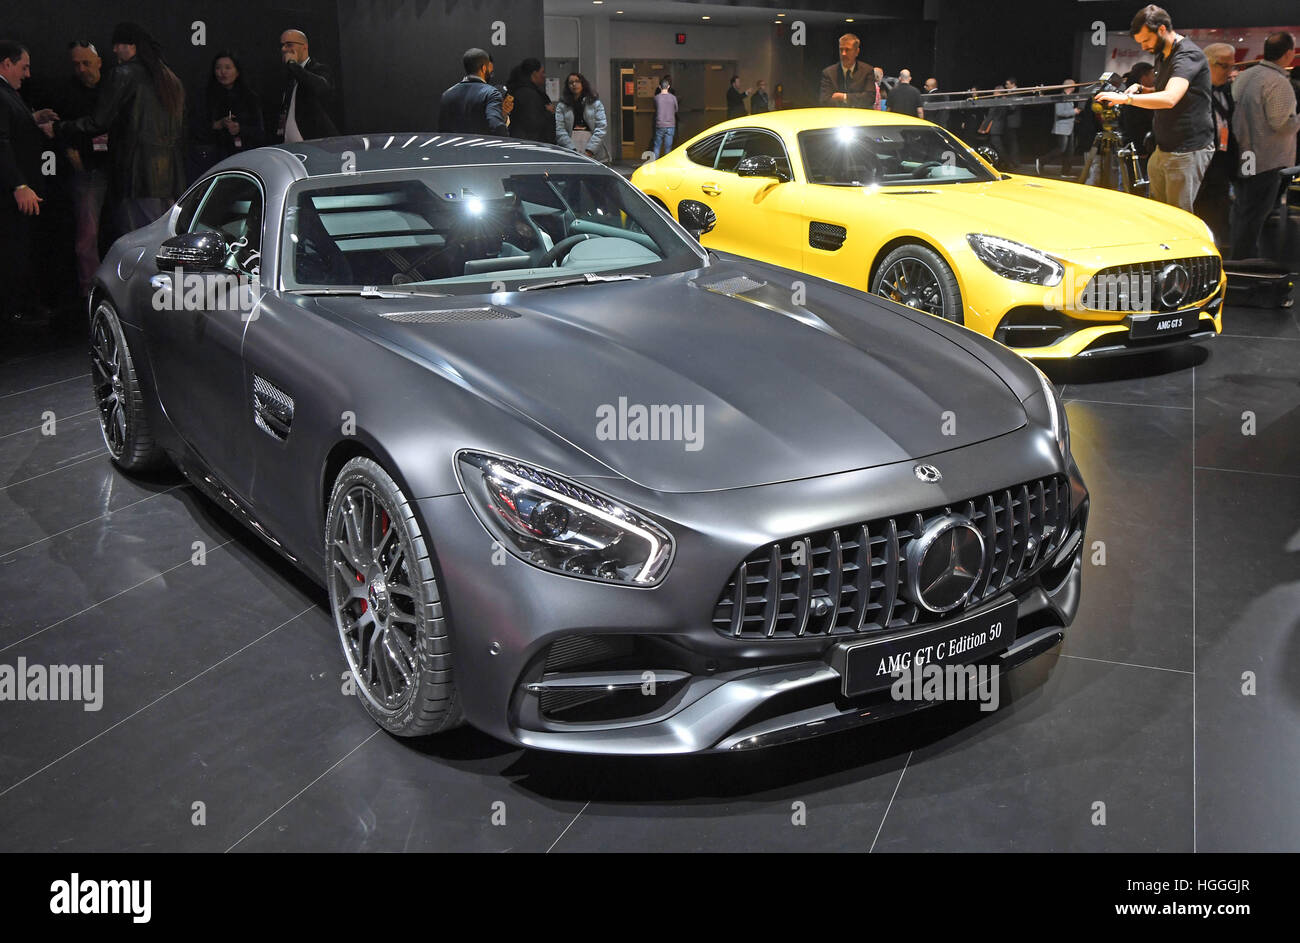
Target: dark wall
251,31
978,43
403,53
393,57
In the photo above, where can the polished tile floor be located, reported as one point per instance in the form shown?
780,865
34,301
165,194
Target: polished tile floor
1167,722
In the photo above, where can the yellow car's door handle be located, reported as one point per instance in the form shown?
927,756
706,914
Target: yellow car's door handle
711,188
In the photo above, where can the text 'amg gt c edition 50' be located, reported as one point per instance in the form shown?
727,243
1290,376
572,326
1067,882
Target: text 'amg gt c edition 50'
568,476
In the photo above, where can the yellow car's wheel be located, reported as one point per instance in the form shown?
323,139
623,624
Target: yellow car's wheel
917,276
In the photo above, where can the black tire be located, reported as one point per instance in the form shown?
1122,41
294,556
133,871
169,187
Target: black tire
917,276
395,640
123,420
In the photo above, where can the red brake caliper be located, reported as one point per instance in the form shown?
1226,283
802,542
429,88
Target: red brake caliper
364,603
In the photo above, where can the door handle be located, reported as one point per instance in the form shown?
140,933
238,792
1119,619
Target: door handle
711,188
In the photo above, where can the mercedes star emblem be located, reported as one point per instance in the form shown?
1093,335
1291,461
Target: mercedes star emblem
927,473
1173,283
944,563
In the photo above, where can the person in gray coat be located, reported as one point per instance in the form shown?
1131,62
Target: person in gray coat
580,123
1064,114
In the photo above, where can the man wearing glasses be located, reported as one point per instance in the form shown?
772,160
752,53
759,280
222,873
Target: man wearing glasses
304,109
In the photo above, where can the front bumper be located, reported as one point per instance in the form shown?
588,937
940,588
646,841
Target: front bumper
718,693
1065,321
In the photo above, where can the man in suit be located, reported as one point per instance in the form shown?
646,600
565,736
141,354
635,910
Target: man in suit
473,105
932,88
308,94
21,142
848,83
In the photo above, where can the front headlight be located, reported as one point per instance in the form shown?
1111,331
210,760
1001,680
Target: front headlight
1056,409
1017,262
559,525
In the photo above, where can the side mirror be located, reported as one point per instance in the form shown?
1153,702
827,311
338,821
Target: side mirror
760,165
696,217
197,251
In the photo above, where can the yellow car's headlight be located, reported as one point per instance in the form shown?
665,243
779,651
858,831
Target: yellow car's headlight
1016,261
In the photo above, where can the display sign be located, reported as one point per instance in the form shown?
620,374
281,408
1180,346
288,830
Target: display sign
681,39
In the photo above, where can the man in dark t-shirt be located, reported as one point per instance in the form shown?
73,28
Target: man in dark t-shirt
1183,125
905,98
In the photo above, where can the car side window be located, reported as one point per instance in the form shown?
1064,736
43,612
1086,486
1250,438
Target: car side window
232,208
705,152
751,143
189,205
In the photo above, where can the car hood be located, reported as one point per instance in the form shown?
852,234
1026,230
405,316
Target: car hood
1051,215
768,391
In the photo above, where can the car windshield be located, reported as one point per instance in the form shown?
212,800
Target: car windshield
887,156
464,229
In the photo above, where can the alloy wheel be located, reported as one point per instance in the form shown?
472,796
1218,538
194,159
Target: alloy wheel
106,377
913,283
373,599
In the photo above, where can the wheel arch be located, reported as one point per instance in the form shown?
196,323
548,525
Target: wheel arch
916,239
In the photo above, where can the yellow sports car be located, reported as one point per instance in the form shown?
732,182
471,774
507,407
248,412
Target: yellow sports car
898,206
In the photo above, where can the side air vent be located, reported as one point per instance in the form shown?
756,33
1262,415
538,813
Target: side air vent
826,235
451,315
272,408
736,285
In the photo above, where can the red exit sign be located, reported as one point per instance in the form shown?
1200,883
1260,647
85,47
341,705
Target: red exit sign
681,39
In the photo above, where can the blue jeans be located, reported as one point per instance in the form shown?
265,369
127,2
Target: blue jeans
663,136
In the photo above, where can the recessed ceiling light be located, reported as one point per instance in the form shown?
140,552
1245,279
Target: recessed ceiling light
848,19
706,17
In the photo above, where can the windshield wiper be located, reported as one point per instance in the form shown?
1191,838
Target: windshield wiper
587,278
368,291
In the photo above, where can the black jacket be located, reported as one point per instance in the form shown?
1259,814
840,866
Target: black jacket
471,106
905,99
313,109
860,88
145,141
759,103
20,145
530,120
735,103
216,143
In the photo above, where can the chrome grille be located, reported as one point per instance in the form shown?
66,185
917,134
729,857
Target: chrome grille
1137,287
858,572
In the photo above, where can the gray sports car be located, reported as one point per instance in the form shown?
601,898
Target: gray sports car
567,475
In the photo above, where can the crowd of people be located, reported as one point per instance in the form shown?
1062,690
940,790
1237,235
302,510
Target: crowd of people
1215,138
128,140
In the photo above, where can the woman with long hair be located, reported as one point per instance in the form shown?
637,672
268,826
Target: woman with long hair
229,119
580,123
143,111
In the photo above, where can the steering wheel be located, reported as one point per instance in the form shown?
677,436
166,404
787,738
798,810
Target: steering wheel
924,169
560,249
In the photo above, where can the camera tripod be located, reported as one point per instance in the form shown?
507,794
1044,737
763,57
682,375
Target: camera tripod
1113,164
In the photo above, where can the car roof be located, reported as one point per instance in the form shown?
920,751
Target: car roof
790,121
405,150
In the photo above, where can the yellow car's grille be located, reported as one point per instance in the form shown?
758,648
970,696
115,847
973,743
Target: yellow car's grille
1152,286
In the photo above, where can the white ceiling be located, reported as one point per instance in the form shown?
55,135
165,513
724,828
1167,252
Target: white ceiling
687,14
